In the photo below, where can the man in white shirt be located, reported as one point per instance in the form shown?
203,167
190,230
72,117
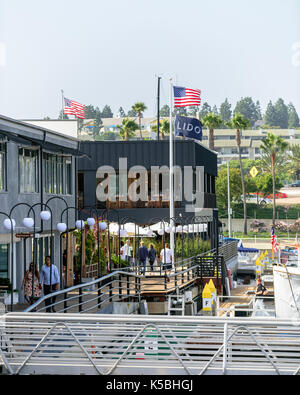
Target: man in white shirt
166,258
127,251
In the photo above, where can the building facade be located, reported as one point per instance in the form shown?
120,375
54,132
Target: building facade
37,173
150,155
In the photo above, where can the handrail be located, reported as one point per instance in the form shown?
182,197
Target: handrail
127,344
122,284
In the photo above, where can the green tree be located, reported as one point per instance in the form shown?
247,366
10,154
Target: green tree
107,112
165,111
282,114
294,161
164,128
62,115
247,108
293,117
127,128
225,111
270,115
264,183
204,110
272,146
121,112
212,121
222,186
239,122
139,108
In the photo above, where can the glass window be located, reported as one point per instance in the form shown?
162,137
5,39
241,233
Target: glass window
4,261
57,174
28,170
2,167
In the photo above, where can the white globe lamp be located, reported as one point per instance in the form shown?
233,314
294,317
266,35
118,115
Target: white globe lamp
45,215
161,232
79,224
102,225
28,222
61,227
90,221
9,224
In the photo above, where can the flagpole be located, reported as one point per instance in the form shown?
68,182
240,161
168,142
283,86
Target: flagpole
171,159
63,104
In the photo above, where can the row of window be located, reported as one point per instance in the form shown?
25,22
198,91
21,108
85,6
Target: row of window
57,172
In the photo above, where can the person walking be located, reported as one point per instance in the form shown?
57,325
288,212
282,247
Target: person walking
142,255
151,255
166,259
31,295
48,268
127,249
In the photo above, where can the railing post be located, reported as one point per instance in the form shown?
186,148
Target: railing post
65,302
128,285
120,287
99,295
225,347
80,300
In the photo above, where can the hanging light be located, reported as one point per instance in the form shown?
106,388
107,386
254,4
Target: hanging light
61,227
161,232
28,222
45,215
90,221
79,224
149,233
102,225
168,229
8,224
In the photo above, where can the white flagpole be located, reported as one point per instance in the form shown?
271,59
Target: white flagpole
62,104
171,155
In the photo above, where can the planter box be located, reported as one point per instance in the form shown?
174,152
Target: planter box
7,298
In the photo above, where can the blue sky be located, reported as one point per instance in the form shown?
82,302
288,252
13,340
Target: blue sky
109,52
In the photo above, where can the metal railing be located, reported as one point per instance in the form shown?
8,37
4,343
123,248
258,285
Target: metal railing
128,284
144,345
92,296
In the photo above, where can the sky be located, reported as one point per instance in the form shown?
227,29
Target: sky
111,52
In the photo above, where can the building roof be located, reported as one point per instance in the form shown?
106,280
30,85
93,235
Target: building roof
25,133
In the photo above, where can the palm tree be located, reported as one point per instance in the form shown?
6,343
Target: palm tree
164,128
139,108
127,128
212,121
273,147
239,122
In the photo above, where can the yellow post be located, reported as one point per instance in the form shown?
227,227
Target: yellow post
206,299
213,291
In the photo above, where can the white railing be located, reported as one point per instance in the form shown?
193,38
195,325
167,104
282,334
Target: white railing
142,345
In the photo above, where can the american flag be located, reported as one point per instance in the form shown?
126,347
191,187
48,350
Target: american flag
273,241
74,108
185,97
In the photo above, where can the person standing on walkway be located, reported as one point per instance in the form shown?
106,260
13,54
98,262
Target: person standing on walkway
166,259
127,252
27,285
143,255
45,281
152,255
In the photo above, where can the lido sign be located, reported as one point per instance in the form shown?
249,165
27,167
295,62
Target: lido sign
188,127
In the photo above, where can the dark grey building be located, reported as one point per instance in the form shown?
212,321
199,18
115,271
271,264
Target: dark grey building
147,154
36,165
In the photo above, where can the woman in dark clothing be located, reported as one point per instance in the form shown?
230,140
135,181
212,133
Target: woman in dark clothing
151,255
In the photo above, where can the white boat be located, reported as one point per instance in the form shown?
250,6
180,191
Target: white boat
287,290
